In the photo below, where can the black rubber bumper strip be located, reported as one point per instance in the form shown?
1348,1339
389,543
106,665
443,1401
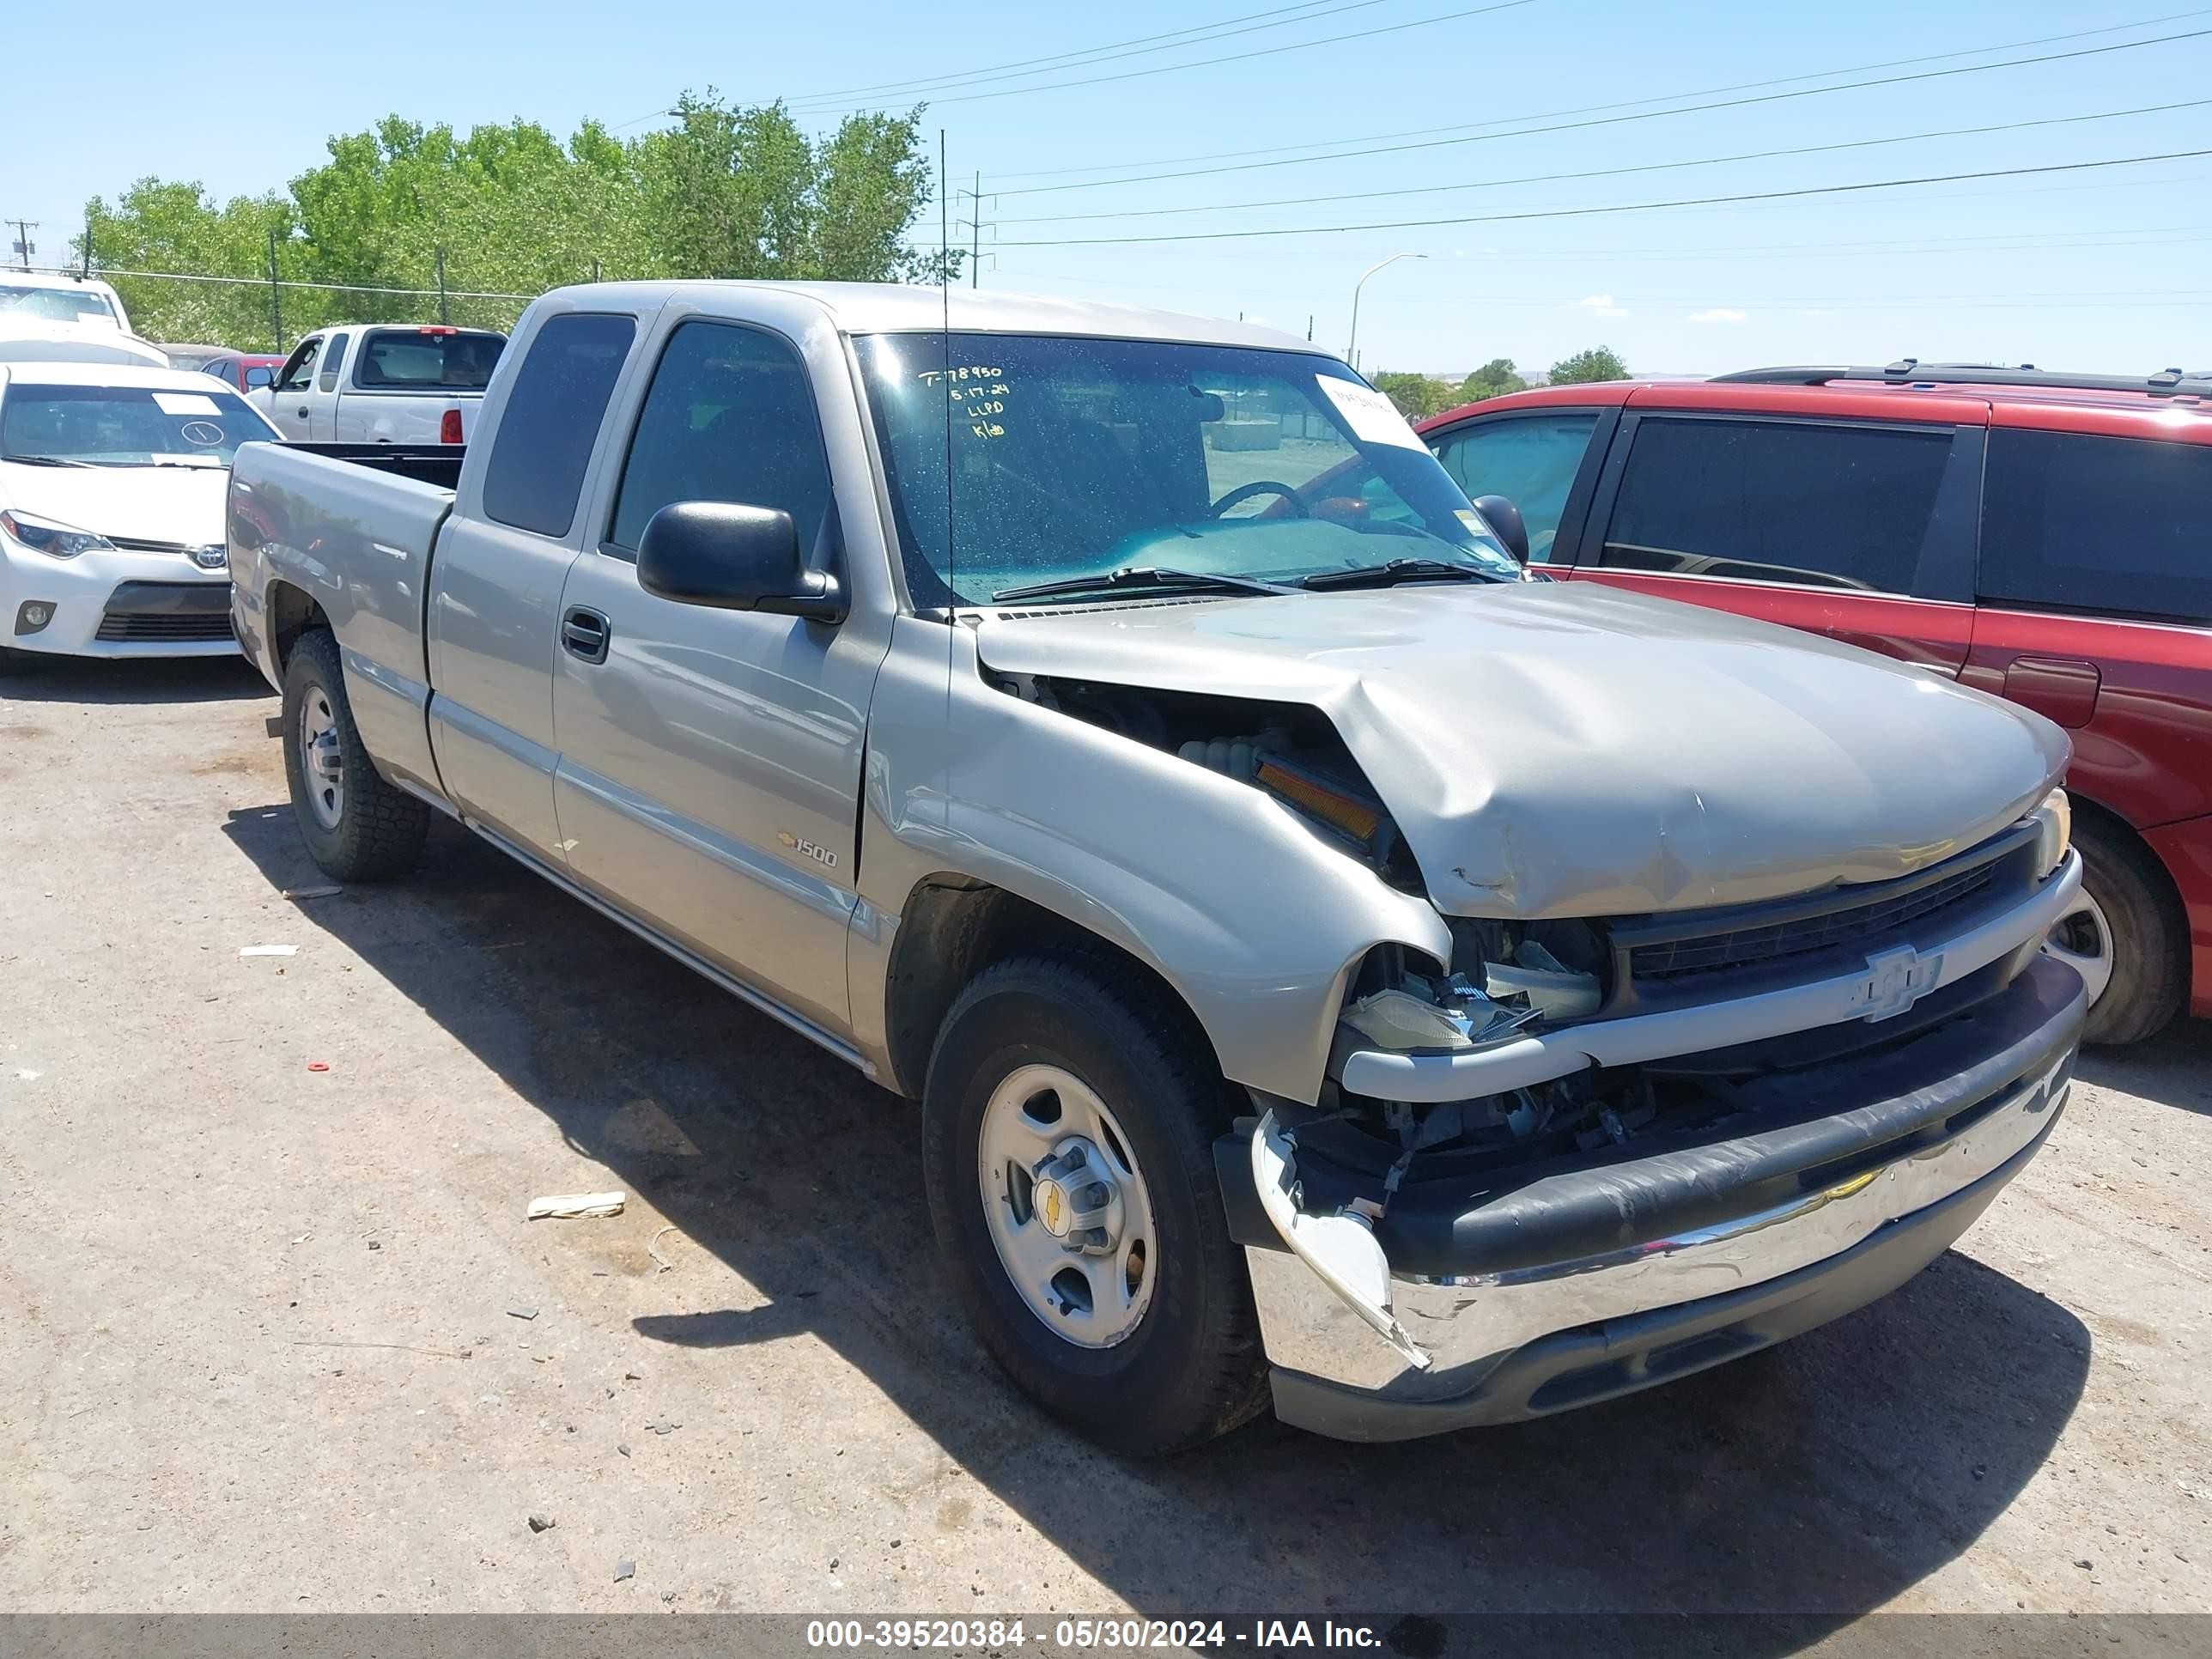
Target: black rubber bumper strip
1616,1357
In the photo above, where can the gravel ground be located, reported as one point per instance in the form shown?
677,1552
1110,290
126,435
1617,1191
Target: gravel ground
262,1345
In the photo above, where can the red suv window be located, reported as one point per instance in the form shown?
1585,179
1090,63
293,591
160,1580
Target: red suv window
2112,525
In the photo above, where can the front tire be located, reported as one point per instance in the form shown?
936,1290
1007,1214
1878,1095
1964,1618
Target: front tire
2125,938
1069,1117
357,826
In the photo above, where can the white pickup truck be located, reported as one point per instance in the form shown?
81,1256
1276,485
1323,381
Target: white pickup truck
383,383
1331,963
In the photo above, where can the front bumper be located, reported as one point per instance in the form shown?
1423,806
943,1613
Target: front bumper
1837,1185
140,596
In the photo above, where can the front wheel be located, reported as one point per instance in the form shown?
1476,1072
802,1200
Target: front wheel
357,826
2124,935
1069,1118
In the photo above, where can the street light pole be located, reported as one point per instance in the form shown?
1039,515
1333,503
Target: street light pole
1351,347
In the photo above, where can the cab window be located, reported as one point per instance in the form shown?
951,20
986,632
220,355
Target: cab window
729,418
334,359
300,368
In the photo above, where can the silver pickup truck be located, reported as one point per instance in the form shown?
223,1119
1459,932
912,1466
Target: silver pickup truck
1333,965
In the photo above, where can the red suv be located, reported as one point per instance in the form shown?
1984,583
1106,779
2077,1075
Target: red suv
2047,537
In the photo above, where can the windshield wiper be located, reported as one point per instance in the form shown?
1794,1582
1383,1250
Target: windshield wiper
43,460
1143,575
1391,571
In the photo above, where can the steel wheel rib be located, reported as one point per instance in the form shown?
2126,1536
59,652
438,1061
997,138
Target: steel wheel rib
2082,939
322,764
1066,1206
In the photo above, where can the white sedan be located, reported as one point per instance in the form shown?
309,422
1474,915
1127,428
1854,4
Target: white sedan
113,482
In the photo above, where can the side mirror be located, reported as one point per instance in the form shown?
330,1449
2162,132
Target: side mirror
1505,520
733,558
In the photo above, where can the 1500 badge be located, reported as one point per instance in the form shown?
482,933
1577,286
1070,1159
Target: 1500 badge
805,849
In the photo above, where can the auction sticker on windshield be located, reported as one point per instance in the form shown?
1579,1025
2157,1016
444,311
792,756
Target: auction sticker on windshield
185,402
1373,417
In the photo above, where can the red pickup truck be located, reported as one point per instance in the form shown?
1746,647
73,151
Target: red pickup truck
2044,537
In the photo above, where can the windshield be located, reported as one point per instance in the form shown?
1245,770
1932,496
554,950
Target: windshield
1075,458
57,304
127,425
428,359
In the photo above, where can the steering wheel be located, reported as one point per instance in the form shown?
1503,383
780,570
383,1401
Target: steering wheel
1261,487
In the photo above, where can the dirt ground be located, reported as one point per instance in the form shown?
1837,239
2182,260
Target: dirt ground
262,1344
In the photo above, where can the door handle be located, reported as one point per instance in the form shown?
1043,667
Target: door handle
585,633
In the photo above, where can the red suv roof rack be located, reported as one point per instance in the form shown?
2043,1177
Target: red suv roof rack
1907,371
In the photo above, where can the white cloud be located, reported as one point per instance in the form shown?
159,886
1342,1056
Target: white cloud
1602,304
1718,314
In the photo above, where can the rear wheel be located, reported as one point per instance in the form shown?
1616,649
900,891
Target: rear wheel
357,826
1069,1120
2123,936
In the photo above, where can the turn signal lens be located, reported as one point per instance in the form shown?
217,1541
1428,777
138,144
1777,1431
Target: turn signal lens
1355,817
2054,831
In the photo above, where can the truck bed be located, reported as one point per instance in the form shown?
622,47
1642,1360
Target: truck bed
347,529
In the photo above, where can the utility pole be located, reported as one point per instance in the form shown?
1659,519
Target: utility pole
276,301
84,272
444,315
24,247
975,234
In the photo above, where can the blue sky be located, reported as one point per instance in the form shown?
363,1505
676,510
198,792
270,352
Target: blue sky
2099,268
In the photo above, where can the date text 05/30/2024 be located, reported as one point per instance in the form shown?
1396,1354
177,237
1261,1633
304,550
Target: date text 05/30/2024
1254,1635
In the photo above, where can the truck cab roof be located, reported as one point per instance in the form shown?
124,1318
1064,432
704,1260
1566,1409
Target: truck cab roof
897,308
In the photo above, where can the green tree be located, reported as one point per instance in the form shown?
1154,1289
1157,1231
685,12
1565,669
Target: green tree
1494,378
1416,395
1598,363
509,211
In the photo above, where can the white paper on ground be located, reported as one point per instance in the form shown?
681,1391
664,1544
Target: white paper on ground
268,949
574,1206
185,402
1371,416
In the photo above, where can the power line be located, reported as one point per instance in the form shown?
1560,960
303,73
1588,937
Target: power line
1612,173
1231,58
1598,109
1616,120
1625,207
1141,44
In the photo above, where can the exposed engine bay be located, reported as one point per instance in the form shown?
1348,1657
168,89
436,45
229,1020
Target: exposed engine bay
1504,978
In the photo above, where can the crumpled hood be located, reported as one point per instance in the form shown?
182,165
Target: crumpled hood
146,504
1557,749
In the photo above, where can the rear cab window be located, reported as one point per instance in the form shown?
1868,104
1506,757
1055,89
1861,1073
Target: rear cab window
2075,522
334,359
427,359
546,432
1872,507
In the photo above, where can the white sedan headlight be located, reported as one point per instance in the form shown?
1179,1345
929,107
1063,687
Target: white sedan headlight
2054,831
58,541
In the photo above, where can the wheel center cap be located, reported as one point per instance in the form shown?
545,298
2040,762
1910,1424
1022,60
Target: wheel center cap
1053,1207
1076,1197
